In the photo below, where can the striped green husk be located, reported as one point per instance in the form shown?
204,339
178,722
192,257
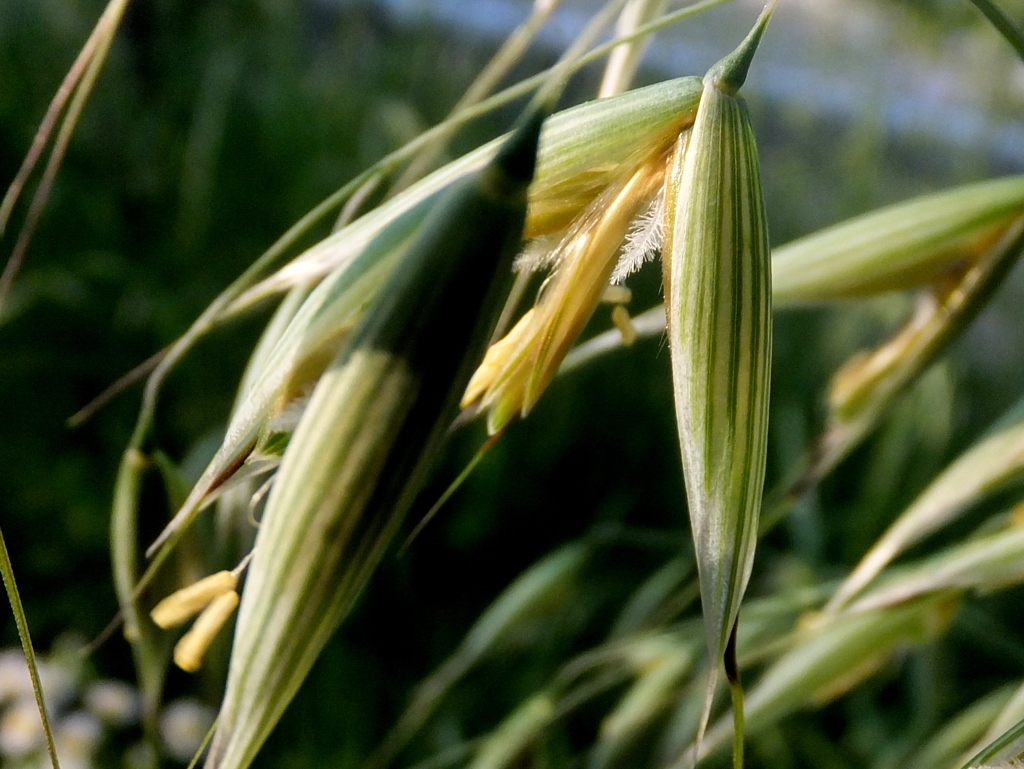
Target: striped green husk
582,150
368,436
718,304
307,564
720,338
898,247
719,318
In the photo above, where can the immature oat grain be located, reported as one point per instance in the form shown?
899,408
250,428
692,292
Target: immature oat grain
716,263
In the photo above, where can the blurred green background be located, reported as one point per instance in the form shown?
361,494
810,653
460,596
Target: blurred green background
215,125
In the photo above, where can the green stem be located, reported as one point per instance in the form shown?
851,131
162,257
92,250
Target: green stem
203,745
1003,24
732,673
26,644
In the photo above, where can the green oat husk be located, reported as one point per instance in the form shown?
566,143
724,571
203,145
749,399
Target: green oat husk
373,425
718,304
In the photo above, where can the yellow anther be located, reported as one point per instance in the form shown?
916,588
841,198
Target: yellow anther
616,295
622,321
1017,515
183,604
189,651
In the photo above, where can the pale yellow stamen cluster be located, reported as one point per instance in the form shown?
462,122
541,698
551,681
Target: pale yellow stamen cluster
215,596
182,605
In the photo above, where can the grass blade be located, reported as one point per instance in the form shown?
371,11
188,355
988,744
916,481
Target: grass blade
947,745
1004,751
984,563
11,586
994,460
1003,23
624,60
828,659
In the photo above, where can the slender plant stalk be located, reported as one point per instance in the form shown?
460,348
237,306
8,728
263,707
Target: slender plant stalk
1003,23
104,36
624,60
7,570
103,29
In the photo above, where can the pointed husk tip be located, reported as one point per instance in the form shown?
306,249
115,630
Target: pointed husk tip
731,72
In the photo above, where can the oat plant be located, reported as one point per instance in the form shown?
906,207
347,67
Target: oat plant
419,331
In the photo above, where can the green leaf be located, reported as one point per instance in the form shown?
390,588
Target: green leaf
1003,751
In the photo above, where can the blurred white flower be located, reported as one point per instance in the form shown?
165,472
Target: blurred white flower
14,679
77,735
113,702
57,680
183,725
21,731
